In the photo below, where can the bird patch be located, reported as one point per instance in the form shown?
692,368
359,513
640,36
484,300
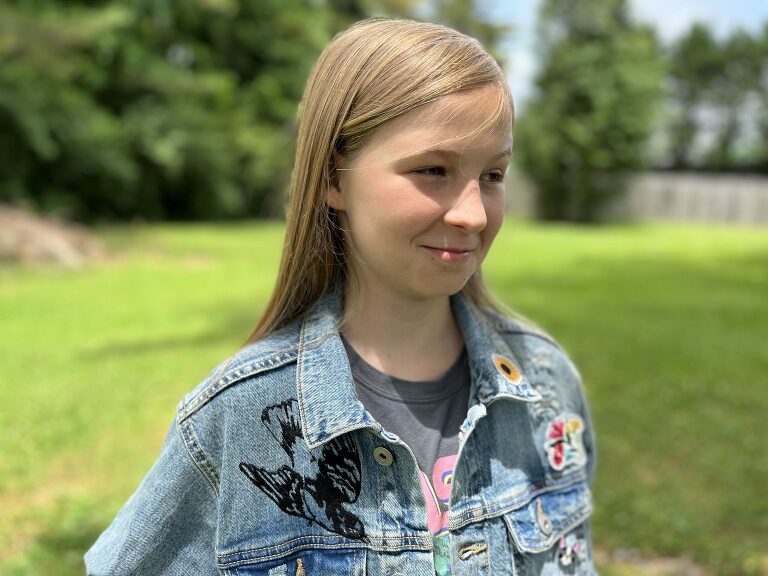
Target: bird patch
315,488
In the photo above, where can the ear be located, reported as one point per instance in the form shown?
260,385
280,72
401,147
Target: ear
333,196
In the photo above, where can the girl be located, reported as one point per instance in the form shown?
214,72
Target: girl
385,418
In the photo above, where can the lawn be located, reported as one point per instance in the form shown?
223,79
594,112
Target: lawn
668,325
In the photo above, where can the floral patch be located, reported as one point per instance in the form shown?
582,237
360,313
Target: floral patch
564,443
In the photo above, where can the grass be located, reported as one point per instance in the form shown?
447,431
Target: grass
666,323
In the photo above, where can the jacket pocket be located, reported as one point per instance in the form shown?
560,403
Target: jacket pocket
309,562
550,534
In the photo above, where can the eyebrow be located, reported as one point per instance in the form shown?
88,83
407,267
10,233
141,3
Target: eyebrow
451,154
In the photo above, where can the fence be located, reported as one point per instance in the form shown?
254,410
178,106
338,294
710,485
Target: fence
687,197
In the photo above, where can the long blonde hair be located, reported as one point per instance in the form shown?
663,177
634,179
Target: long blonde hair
369,74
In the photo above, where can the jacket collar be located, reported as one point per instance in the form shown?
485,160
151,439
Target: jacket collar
328,404
496,373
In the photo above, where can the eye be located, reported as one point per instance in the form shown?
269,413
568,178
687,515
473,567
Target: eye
431,171
495,177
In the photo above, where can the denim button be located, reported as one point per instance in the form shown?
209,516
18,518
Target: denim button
545,524
383,456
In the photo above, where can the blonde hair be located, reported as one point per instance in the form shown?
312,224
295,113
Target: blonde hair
369,74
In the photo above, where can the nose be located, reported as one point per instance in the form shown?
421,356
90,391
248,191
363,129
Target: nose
467,210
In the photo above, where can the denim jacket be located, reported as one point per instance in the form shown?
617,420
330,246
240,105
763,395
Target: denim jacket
272,467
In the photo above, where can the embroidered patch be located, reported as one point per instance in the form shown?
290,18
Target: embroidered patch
570,549
507,369
564,444
319,497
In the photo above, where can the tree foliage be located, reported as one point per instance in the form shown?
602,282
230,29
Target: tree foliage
153,109
120,109
596,95
718,87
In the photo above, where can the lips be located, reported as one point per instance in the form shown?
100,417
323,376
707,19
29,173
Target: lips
456,250
453,254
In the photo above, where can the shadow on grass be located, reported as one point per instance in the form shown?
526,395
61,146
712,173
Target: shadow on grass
234,324
58,550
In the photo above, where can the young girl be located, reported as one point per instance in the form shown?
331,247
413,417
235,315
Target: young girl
384,419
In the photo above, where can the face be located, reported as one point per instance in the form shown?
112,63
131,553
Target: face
424,198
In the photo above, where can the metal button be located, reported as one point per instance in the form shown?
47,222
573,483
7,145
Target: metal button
383,456
545,524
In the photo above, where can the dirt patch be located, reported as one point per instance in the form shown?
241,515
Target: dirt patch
28,238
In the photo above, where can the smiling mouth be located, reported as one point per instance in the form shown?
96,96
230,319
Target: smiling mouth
450,254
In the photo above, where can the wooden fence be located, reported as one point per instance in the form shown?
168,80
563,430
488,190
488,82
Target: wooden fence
685,197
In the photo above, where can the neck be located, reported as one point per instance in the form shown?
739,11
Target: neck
410,339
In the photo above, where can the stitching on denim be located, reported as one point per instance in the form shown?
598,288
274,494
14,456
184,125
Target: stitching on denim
469,516
222,563
535,335
562,527
198,455
363,561
527,490
236,375
352,544
559,528
506,325
239,373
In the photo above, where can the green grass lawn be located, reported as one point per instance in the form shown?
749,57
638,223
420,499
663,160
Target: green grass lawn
668,325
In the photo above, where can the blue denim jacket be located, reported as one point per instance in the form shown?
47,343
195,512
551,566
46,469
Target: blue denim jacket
272,467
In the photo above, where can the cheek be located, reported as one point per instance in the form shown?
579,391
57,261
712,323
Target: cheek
494,212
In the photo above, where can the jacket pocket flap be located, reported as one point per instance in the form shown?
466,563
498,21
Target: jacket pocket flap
540,523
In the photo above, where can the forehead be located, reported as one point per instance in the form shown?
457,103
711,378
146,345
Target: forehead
464,121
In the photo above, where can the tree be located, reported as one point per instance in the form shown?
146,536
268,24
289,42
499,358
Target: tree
121,109
762,94
137,108
738,78
593,109
695,63
466,16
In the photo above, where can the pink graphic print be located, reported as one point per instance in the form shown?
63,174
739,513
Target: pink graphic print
438,492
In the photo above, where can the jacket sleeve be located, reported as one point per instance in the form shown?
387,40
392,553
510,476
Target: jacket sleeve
589,436
168,526
584,412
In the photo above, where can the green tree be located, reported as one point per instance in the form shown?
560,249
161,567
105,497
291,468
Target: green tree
593,109
762,95
53,135
153,109
467,17
119,109
695,63
737,80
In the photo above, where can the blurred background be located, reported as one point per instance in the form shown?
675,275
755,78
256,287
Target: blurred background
145,148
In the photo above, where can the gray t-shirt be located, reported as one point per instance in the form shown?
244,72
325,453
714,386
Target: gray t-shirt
425,415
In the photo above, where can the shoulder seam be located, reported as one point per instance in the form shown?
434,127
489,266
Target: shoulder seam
508,325
235,375
197,454
538,335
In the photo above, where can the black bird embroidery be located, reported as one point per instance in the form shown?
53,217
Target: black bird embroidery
326,483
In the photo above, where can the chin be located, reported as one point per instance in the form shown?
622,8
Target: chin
445,288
